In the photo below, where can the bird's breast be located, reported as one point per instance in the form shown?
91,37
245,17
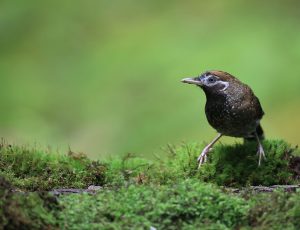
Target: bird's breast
230,116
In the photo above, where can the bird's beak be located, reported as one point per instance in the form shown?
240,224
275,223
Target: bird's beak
195,81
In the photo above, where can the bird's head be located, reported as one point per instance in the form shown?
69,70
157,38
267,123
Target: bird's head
212,81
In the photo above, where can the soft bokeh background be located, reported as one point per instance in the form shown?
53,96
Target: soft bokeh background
104,76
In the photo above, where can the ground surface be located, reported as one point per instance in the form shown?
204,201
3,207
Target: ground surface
130,192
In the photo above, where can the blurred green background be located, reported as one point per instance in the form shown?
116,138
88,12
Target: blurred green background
104,76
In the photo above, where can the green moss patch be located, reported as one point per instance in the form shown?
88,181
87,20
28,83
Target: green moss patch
278,210
137,193
27,210
228,165
183,205
189,204
236,165
31,169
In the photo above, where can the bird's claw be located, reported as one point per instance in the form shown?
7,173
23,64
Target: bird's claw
203,156
261,153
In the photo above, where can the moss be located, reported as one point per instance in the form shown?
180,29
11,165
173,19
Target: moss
236,165
278,210
138,193
233,165
26,211
32,169
188,203
228,165
128,169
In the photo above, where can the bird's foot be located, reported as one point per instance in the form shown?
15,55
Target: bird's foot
203,156
261,153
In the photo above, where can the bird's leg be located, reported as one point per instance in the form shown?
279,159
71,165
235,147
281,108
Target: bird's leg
260,150
202,157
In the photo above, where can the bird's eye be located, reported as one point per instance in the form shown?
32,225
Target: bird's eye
211,80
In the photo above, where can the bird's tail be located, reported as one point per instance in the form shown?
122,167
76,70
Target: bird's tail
260,133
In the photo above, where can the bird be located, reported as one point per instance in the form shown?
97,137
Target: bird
231,108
